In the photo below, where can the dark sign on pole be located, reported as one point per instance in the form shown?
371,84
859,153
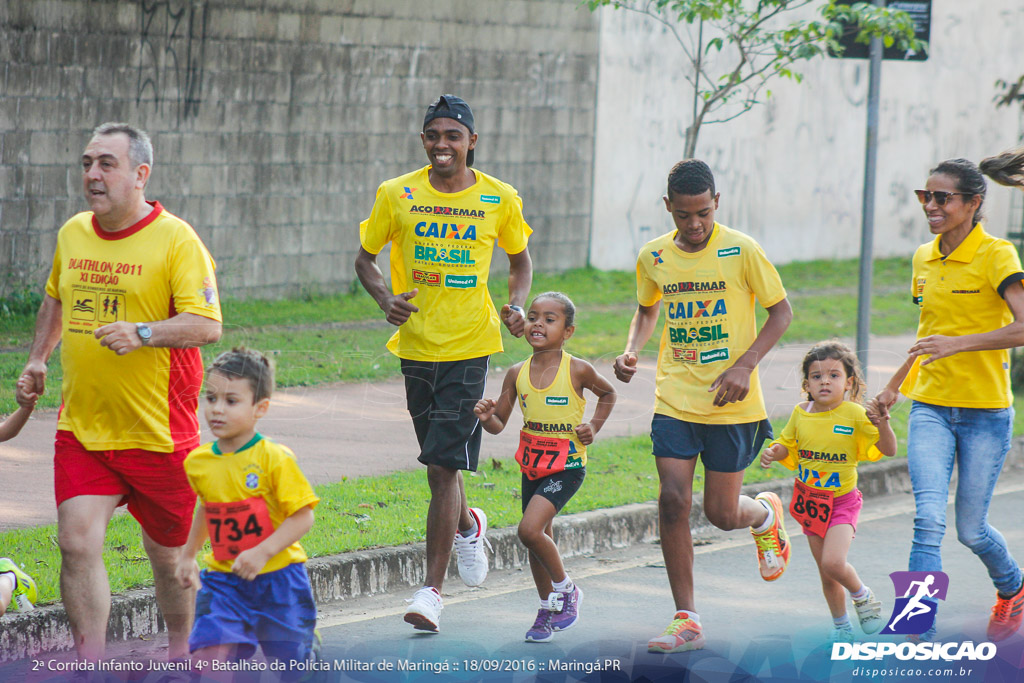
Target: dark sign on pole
920,12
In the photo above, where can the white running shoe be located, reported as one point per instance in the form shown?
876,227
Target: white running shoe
470,553
424,611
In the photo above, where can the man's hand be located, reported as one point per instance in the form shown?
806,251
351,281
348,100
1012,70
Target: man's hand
731,386
514,319
32,383
23,393
625,366
120,337
398,309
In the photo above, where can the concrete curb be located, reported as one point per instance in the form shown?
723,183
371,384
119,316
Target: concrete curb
341,577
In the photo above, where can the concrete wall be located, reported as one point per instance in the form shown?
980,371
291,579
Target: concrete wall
273,121
791,173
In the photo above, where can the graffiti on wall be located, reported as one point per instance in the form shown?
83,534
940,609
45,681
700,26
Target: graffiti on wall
172,36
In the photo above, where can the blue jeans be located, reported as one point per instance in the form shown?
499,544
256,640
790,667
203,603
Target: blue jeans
977,440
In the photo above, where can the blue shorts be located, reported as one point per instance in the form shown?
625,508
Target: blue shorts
722,448
275,610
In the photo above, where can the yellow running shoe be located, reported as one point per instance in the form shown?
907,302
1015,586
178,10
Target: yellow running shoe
682,634
773,543
25,594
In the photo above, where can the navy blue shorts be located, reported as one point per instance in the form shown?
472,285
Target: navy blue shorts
441,397
275,611
722,448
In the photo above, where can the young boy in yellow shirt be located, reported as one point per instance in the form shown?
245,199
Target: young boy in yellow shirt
254,506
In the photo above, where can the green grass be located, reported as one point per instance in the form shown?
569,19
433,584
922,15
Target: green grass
340,337
318,339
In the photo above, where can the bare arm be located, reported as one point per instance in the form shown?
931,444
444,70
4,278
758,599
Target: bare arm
183,331
187,571
773,453
249,562
397,309
886,437
640,330
48,330
520,278
15,422
733,384
493,415
605,392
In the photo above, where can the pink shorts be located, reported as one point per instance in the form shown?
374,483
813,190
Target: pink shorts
152,484
845,510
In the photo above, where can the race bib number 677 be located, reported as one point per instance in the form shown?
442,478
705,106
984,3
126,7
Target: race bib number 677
539,456
237,526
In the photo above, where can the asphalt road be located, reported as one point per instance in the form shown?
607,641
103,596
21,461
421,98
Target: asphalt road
755,630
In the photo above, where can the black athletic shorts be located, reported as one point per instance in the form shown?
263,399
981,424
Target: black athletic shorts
441,397
558,487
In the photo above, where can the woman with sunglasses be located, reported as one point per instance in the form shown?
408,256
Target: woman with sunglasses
968,286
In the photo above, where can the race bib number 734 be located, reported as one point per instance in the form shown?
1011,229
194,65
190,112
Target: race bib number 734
237,526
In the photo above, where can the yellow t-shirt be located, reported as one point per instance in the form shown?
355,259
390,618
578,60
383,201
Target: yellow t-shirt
825,448
958,295
263,470
554,411
442,245
151,271
709,320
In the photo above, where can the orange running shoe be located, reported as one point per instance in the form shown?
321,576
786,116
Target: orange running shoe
773,543
1006,616
682,634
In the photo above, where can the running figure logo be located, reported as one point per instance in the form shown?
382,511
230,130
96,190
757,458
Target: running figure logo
914,613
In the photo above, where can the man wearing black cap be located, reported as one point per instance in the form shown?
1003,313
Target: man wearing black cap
442,222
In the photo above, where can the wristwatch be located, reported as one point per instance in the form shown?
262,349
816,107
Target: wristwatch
517,309
145,333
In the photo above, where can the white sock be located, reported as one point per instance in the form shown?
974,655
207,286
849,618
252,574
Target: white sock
688,614
9,577
842,622
563,586
471,531
860,595
768,521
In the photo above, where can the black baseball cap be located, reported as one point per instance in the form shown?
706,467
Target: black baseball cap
452,107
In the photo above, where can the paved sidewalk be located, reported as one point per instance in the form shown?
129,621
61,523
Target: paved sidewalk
359,429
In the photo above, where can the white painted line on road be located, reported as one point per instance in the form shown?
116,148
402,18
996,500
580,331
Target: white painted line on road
647,555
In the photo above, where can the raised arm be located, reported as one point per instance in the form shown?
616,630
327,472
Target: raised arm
520,278
397,309
494,414
640,330
593,381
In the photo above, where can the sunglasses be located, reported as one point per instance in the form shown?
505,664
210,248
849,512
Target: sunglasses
925,196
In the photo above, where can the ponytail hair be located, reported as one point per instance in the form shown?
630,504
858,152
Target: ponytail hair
1006,168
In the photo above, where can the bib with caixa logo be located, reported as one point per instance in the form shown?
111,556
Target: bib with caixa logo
548,442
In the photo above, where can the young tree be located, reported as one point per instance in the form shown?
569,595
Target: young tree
753,44
1010,93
